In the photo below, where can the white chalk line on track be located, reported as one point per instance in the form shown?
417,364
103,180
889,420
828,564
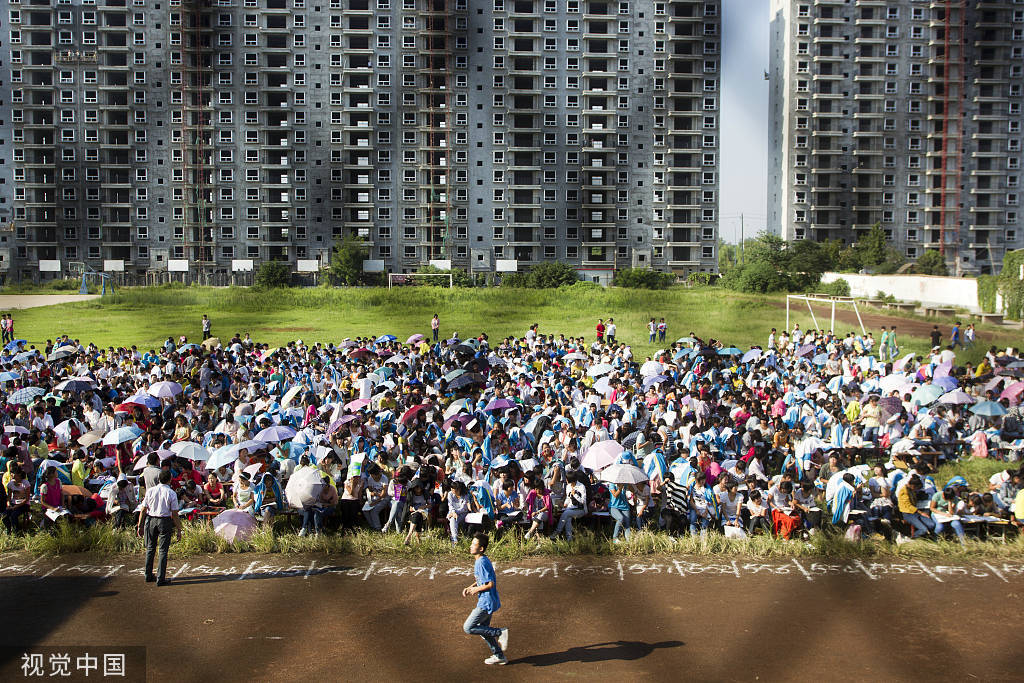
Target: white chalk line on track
622,570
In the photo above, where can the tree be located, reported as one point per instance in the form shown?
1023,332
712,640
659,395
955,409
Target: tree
273,274
767,248
930,263
347,258
642,278
806,261
552,274
872,247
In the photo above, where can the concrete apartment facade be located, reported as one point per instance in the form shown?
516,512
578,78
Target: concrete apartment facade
157,137
905,113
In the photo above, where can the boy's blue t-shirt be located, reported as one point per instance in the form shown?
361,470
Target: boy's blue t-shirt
483,571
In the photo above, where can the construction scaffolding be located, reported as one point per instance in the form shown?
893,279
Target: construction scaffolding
952,132
195,69
435,161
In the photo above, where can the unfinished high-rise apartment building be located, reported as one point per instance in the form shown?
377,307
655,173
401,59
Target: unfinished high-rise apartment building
903,113
206,136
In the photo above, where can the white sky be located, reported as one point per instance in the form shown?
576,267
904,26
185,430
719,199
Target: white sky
744,125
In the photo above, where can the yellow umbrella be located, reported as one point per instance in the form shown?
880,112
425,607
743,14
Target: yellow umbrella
211,343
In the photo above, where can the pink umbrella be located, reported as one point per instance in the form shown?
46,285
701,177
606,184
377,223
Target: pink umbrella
414,339
234,525
1012,392
902,362
357,404
253,469
602,454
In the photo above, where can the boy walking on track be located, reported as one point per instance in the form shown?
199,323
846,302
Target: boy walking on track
487,602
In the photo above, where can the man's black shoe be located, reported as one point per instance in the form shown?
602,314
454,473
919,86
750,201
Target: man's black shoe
150,579
163,582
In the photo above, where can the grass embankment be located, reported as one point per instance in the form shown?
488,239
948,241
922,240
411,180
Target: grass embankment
146,316
199,538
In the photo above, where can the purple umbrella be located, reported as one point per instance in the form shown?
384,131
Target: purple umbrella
500,404
462,418
946,382
414,338
656,379
993,384
339,423
956,397
805,350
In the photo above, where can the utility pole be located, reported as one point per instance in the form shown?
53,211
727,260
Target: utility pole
741,238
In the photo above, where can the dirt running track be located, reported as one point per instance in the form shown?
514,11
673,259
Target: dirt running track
331,618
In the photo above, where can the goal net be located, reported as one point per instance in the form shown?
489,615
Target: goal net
798,300
415,279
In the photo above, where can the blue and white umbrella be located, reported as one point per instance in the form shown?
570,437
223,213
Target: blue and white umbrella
145,399
122,434
15,344
26,395
988,409
9,376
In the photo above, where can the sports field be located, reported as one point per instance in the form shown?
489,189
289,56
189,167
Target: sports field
147,316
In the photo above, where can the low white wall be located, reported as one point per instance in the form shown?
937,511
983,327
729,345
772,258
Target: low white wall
930,290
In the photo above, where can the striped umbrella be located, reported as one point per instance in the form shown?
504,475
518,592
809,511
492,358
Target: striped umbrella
26,395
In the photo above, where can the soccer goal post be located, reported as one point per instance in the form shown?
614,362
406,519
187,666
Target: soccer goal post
400,279
823,299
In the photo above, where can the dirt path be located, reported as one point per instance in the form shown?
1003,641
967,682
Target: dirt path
327,618
20,301
846,320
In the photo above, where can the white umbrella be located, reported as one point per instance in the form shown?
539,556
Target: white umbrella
601,454
190,451
304,487
234,525
225,455
89,438
65,427
575,355
455,408
164,389
18,429
289,396
624,474
651,368
600,369
276,433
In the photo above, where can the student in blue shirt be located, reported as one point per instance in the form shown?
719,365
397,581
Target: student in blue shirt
487,602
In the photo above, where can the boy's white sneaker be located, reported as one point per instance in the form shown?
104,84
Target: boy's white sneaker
495,659
503,639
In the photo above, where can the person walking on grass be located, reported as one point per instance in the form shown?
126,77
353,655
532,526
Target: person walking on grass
435,325
487,602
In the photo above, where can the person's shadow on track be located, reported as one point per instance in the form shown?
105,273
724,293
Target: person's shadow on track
624,650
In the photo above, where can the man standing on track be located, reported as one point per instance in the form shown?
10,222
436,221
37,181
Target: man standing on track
487,602
159,515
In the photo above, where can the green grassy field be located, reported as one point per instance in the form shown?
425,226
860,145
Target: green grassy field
147,316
